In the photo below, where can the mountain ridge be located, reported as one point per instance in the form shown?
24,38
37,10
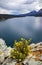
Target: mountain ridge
32,13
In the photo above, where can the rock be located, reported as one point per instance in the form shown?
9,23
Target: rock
33,50
2,57
9,61
39,63
3,45
32,62
37,49
27,60
32,45
7,51
3,48
40,58
33,57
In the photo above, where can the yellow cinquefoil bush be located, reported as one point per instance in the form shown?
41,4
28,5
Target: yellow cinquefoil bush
21,49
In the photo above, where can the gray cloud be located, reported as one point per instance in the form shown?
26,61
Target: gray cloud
40,1
20,6
29,1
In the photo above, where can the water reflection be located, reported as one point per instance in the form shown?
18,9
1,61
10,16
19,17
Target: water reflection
38,23
28,27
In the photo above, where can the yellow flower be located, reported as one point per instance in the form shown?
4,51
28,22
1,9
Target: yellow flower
22,38
30,47
26,41
21,49
25,52
24,48
12,50
19,59
17,43
17,52
28,53
14,57
20,54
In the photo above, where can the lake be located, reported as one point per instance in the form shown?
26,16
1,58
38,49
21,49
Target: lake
15,28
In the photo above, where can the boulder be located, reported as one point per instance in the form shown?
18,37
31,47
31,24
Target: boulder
4,50
9,61
1,57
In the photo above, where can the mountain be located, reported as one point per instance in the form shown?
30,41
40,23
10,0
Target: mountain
32,13
39,13
35,13
40,10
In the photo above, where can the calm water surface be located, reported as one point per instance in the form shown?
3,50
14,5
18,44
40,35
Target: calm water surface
15,28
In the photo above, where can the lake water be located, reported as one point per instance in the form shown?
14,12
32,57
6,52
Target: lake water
15,28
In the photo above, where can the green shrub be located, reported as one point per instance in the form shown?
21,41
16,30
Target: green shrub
21,49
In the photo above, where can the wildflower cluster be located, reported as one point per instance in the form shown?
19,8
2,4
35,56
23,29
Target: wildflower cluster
21,49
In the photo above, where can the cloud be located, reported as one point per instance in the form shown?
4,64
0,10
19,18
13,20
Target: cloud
29,1
40,1
4,11
20,6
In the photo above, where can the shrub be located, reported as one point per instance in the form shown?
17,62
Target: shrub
21,49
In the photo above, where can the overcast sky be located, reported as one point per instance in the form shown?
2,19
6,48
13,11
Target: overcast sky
19,6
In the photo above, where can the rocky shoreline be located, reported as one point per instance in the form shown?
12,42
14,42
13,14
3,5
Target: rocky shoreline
35,58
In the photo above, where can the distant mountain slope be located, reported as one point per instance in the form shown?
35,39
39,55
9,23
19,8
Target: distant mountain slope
32,13
39,13
35,13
